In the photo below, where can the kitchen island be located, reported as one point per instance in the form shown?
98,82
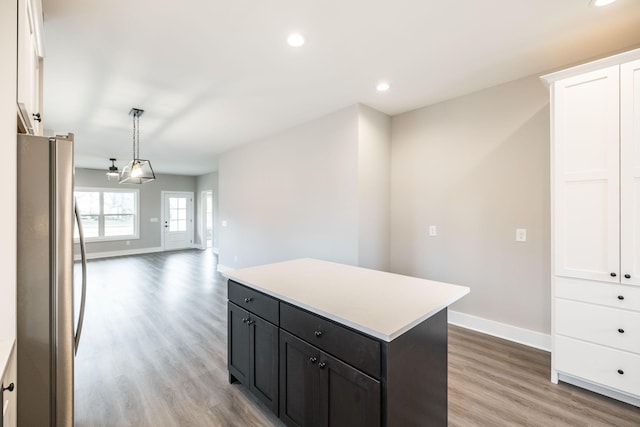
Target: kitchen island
327,344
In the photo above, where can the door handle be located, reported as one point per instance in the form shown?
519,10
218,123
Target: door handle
83,254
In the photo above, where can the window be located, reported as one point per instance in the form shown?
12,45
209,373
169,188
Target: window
177,214
108,214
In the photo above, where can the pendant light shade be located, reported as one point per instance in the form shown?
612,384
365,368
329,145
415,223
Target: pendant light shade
113,170
137,171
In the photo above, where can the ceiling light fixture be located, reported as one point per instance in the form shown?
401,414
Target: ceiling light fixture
383,87
296,40
137,171
113,170
601,3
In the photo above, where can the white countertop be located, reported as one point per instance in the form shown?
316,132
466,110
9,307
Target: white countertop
5,352
383,305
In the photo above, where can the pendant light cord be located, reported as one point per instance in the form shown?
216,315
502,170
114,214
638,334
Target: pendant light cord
136,137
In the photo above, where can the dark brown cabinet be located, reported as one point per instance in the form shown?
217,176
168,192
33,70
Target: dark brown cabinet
316,372
318,390
253,354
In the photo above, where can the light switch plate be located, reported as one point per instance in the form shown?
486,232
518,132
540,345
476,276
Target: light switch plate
521,234
433,230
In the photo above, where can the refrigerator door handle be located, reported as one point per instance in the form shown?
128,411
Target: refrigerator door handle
83,254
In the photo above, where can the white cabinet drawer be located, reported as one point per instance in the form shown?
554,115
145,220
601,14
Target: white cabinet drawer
615,369
610,294
597,324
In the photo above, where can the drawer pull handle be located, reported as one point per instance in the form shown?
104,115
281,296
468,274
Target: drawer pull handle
248,299
9,388
621,330
627,276
244,320
620,297
620,371
613,274
250,322
318,333
313,360
321,365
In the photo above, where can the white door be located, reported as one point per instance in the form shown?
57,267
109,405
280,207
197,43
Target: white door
630,173
586,124
177,220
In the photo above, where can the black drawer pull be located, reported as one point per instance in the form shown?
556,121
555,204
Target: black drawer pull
313,360
9,388
621,330
248,299
620,297
613,274
318,333
620,371
244,320
250,322
627,276
321,365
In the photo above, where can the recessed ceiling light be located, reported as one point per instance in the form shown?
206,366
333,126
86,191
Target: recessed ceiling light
383,87
295,40
600,3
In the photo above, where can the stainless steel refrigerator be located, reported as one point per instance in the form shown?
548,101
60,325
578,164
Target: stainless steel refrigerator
47,335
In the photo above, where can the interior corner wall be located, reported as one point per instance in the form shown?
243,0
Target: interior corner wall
374,159
208,182
8,172
150,207
477,167
292,195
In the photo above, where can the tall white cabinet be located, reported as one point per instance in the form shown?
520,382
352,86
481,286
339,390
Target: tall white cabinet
595,134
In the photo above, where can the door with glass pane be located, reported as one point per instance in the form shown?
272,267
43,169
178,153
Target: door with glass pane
177,220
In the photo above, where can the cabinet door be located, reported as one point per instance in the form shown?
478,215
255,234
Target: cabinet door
349,398
238,343
299,382
8,403
28,63
263,380
586,150
630,172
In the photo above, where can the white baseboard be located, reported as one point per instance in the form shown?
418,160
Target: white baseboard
223,268
111,254
501,330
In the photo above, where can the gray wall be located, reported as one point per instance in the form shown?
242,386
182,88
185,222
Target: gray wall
150,207
477,167
300,193
374,154
205,183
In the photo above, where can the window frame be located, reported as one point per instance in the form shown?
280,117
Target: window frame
101,215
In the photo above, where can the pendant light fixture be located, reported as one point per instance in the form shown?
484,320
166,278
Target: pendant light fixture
137,171
113,170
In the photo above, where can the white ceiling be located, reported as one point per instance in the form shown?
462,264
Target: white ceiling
214,74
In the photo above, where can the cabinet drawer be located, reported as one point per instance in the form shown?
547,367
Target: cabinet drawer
256,302
601,325
610,294
601,367
350,346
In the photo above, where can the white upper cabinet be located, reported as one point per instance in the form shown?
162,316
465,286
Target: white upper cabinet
586,182
30,54
630,172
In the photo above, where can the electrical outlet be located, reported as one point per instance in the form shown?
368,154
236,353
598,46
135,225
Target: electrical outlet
433,230
521,234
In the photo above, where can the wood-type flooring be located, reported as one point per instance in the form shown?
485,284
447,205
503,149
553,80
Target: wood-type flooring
154,345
